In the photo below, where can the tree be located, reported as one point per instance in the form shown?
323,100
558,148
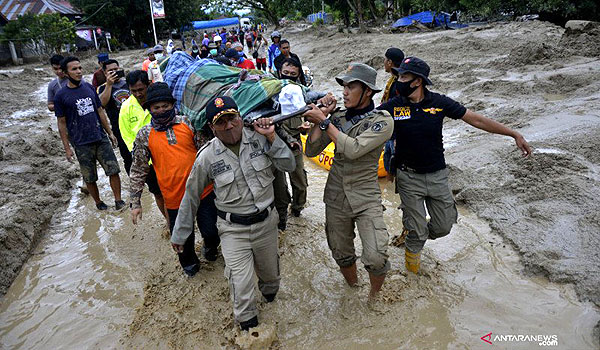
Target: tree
130,21
43,34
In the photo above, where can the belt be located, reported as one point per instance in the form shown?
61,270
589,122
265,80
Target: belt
249,219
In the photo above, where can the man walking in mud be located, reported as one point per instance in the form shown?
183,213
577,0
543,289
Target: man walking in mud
239,161
132,117
393,59
83,122
352,196
171,142
58,83
419,164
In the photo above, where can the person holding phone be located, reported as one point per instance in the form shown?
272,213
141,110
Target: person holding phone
112,94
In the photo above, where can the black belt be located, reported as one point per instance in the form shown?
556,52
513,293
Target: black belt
249,219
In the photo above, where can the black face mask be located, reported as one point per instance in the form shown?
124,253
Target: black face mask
162,121
404,89
294,79
73,81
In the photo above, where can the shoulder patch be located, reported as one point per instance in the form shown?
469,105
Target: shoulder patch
365,125
378,126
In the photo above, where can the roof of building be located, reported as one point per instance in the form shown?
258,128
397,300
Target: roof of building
11,9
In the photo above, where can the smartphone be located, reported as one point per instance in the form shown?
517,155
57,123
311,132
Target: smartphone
120,73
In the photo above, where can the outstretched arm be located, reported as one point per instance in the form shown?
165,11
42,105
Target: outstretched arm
480,122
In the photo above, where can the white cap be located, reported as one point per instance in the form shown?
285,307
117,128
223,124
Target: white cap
217,38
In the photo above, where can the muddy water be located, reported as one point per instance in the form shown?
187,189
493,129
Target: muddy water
74,292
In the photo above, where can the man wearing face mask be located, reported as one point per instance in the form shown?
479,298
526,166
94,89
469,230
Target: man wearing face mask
154,73
293,127
171,142
352,196
239,162
421,173
237,61
285,54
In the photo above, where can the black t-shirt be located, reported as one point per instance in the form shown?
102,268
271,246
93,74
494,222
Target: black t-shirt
418,130
119,93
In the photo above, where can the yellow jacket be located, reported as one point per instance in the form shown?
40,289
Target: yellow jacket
132,118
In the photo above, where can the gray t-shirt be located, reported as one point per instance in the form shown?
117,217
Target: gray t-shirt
54,86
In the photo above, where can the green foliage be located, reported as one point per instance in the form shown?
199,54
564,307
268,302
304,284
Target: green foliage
318,22
130,22
43,34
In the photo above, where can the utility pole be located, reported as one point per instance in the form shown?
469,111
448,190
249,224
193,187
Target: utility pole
153,26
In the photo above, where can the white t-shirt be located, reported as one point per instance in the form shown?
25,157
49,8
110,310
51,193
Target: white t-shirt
154,73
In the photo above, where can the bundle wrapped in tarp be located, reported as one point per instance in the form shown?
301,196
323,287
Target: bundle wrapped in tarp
196,82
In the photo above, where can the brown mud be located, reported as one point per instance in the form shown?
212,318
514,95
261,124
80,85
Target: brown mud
522,222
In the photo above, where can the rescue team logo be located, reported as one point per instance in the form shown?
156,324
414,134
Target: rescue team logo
219,102
401,113
432,110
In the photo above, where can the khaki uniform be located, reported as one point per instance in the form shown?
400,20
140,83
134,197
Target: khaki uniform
243,187
298,177
352,195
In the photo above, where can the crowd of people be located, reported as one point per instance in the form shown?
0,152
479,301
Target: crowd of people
231,180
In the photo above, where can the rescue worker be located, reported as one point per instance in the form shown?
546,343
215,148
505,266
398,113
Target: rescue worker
293,127
422,176
352,196
171,142
239,161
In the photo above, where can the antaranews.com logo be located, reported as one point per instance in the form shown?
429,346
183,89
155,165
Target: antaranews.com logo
540,339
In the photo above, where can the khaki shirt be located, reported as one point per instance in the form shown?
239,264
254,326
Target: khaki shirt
243,185
356,161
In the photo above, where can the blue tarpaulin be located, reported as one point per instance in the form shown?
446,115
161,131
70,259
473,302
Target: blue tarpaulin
428,18
216,23
326,17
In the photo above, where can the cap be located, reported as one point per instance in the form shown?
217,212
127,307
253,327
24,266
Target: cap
158,48
395,55
275,34
232,53
221,105
158,92
212,46
102,57
359,72
415,66
217,38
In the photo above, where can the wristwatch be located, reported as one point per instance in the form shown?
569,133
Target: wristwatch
324,124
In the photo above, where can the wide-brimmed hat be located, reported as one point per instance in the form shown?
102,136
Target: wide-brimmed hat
415,66
158,92
359,72
221,105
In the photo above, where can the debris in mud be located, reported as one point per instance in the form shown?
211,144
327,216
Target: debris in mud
258,338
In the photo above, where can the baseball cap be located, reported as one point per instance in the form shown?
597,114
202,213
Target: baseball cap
415,66
220,106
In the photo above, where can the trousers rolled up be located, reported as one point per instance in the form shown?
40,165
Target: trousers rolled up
249,249
339,227
420,191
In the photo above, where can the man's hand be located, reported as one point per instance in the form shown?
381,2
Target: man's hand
111,78
113,140
314,115
136,214
69,153
178,248
264,127
295,145
305,127
523,145
329,102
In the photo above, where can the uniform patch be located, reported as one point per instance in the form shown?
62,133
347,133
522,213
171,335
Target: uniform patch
256,153
377,127
401,113
219,168
432,110
255,144
365,126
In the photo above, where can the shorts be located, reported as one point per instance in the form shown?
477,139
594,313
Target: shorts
100,151
152,182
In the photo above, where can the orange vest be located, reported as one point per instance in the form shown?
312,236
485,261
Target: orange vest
173,163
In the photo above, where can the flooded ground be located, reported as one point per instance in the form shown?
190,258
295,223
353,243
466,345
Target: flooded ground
94,281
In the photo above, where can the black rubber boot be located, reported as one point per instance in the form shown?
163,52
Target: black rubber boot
269,297
210,253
